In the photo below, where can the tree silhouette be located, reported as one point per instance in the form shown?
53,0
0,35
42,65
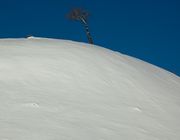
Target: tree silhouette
78,14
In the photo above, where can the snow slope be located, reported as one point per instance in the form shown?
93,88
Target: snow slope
62,90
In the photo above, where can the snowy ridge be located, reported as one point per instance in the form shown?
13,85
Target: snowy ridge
54,89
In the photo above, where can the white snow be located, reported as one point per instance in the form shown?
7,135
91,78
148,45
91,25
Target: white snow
63,90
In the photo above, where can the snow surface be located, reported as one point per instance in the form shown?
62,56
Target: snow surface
63,90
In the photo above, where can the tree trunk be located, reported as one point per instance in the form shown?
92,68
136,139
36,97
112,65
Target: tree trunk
90,40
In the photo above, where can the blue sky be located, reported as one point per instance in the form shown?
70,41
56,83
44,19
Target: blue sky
146,29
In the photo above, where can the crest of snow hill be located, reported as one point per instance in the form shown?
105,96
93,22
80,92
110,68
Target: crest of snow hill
63,90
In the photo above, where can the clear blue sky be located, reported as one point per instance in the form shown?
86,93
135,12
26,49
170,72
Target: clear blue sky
146,29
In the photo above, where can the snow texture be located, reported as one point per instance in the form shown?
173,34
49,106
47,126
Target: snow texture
63,90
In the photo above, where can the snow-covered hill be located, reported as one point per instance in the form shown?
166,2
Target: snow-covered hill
63,90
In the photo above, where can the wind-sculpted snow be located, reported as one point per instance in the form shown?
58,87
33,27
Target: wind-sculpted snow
63,90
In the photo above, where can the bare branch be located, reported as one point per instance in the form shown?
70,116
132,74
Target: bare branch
78,14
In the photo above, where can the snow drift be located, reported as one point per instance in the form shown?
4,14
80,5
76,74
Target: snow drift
62,90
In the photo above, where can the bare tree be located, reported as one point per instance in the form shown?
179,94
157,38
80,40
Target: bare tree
78,14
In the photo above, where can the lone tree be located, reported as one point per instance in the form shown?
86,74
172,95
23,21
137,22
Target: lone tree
78,14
